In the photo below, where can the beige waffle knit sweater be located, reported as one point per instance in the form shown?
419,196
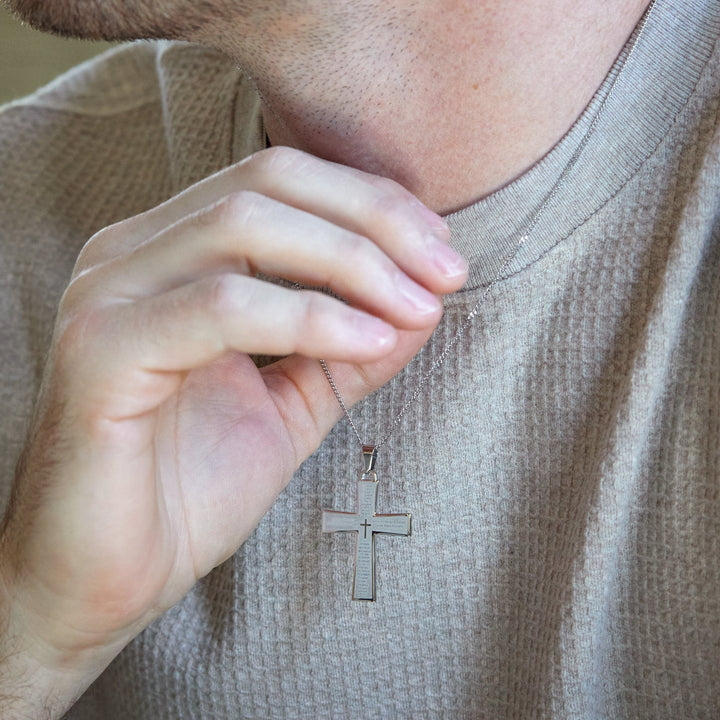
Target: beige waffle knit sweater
562,467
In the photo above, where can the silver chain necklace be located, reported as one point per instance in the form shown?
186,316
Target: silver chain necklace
365,521
503,268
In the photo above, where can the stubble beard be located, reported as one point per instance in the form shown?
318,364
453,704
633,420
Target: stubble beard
118,19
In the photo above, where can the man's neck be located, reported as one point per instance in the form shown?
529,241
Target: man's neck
452,99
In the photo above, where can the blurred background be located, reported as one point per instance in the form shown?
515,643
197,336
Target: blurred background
29,59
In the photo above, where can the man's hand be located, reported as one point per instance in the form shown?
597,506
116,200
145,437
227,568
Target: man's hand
158,445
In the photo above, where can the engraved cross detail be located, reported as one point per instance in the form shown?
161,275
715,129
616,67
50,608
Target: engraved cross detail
366,523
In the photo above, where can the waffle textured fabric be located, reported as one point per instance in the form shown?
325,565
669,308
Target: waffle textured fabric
562,466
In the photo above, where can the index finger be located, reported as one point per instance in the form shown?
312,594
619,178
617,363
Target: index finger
378,208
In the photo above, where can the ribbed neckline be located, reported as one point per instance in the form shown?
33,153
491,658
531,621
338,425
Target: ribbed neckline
651,90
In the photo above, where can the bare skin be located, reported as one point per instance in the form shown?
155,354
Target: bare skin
451,98
128,490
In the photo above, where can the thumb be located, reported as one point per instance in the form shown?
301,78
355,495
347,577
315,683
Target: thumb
306,401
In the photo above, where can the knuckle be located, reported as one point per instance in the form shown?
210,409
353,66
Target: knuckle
354,248
314,316
394,204
390,191
86,256
96,249
226,295
72,337
359,254
77,293
309,311
236,210
279,161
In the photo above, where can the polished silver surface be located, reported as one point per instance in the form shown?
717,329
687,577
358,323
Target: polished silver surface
369,458
366,523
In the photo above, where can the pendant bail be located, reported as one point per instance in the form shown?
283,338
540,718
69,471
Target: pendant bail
369,457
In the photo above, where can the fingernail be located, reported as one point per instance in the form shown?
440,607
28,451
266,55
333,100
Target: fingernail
449,262
417,297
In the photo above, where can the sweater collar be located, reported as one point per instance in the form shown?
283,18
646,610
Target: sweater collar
652,86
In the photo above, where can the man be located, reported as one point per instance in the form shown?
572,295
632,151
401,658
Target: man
555,440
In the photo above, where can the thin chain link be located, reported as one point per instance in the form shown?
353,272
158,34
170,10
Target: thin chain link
503,268
340,400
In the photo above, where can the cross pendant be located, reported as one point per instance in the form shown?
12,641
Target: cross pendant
366,523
